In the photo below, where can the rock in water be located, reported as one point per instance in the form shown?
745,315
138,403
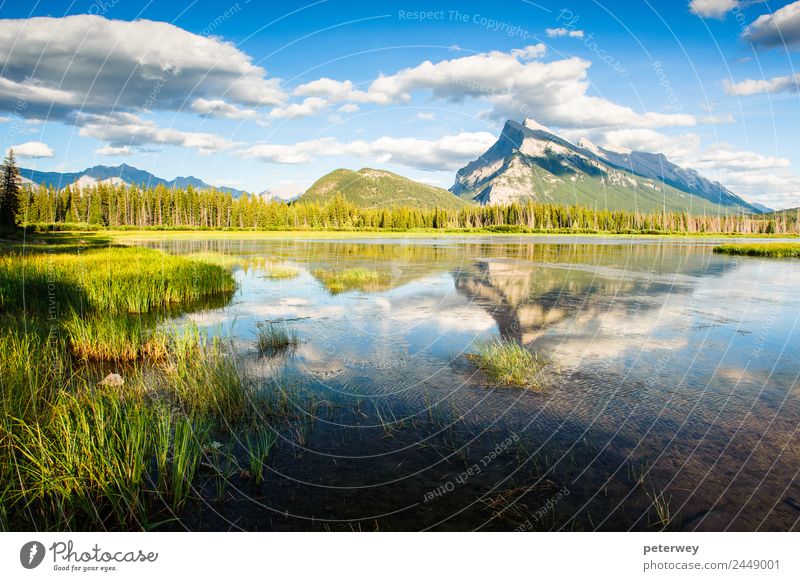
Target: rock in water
113,380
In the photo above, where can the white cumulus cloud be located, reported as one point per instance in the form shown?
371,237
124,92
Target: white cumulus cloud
110,150
221,108
448,152
723,155
309,107
757,86
781,28
514,84
126,129
675,147
558,32
32,149
712,8
92,64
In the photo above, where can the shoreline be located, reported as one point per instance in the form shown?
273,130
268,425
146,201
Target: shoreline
152,233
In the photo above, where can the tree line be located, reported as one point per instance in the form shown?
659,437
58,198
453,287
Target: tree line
116,206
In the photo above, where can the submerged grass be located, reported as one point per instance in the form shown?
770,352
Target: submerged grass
217,258
363,279
507,363
281,272
777,250
258,446
272,338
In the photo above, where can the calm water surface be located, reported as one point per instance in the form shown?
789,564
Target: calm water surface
672,400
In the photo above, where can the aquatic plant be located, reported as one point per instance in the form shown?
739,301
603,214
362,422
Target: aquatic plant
281,271
272,338
507,363
258,446
113,338
363,279
767,250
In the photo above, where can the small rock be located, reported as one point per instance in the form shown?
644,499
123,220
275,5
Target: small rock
113,379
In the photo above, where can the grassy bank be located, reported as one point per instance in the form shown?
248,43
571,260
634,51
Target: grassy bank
124,236
775,250
77,453
110,279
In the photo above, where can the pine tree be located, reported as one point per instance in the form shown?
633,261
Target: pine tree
9,192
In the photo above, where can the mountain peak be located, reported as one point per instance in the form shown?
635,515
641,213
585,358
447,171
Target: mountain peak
530,162
589,146
534,125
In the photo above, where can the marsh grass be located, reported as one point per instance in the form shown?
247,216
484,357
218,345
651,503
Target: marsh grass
110,456
218,258
77,455
258,446
114,338
274,338
108,280
281,272
362,279
661,506
507,363
767,250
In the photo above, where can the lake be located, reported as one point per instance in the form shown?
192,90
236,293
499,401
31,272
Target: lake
670,402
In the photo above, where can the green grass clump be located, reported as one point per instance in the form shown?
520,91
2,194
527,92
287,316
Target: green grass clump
508,363
218,258
777,250
258,446
281,271
113,338
103,453
109,280
74,454
272,338
362,279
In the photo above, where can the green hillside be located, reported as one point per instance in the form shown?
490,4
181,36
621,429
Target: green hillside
372,188
549,180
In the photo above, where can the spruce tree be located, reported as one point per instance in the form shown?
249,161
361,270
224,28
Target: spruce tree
9,192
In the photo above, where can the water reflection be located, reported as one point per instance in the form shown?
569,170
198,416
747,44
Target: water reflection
674,362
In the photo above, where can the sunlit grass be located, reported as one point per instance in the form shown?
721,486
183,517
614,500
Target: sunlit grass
777,250
109,280
272,338
113,338
363,279
77,454
281,271
507,363
217,258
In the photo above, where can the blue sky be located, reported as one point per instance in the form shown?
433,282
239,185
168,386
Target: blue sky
271,96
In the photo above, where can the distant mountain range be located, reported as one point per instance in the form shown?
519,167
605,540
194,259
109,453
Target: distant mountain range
530,162
118,174
373,188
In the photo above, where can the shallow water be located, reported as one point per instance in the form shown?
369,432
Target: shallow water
672,400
